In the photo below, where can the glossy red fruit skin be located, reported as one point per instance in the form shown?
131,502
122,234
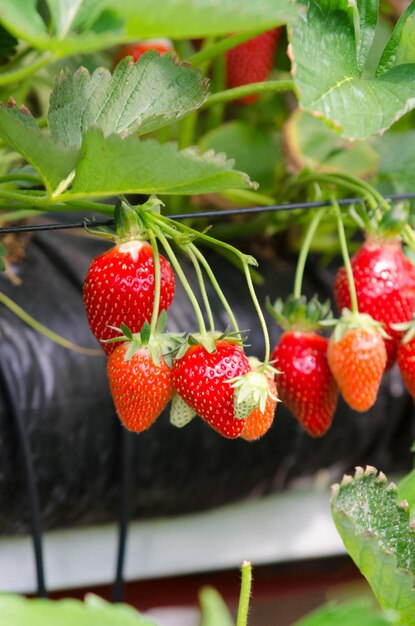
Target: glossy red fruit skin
306,385
140,389
200,379
385,286
136,50
406,362
251,61
119,288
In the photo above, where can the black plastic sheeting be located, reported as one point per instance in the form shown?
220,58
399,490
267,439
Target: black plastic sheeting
64,402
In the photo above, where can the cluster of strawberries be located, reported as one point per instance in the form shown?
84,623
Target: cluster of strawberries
210,375
362,346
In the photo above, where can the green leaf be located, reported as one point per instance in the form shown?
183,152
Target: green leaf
397,161
200,18
50,158
214,609
63,14
377,534
18,611
114,166
353,613
329,78
311,144
365,18
406,490
21,18
256,151
138,98
401,46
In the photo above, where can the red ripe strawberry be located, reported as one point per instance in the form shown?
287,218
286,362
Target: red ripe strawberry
406,362
259,422
202,379
306,385
357,357
119,288
140,388
385,286
252,61
136,50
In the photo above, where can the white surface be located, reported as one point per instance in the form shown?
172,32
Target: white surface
283,527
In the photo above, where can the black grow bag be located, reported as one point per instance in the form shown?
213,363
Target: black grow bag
63,400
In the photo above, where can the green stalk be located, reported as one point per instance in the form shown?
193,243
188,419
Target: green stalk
245,595
202,287
217,112
305,248
164,221
260,315
183,279
18,75
346,258
44,330
248,90
349,183
157,282
218,48
216,286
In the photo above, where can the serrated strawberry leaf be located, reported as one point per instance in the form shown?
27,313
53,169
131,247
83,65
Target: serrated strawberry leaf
114,166
377,533
50,158
401,46
137,98
327,70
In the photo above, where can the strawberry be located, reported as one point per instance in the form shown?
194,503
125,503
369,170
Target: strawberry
385,286
140,380
252,61
201,375
305,383
406,355
119,285
136,50
357,358
260,420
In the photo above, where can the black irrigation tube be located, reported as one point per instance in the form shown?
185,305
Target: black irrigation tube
218,213
126,439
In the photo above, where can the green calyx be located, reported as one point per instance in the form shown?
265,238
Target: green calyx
385,224
251,392
298,313
354,321
208,340
159,343
406,327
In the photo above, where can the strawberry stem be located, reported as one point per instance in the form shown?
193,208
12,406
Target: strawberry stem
346,258
216,286
202,287
44,330
157,282
245,594
183,279
305,248
247,90
260,316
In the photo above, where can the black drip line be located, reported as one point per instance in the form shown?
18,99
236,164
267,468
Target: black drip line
126,439
215,214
